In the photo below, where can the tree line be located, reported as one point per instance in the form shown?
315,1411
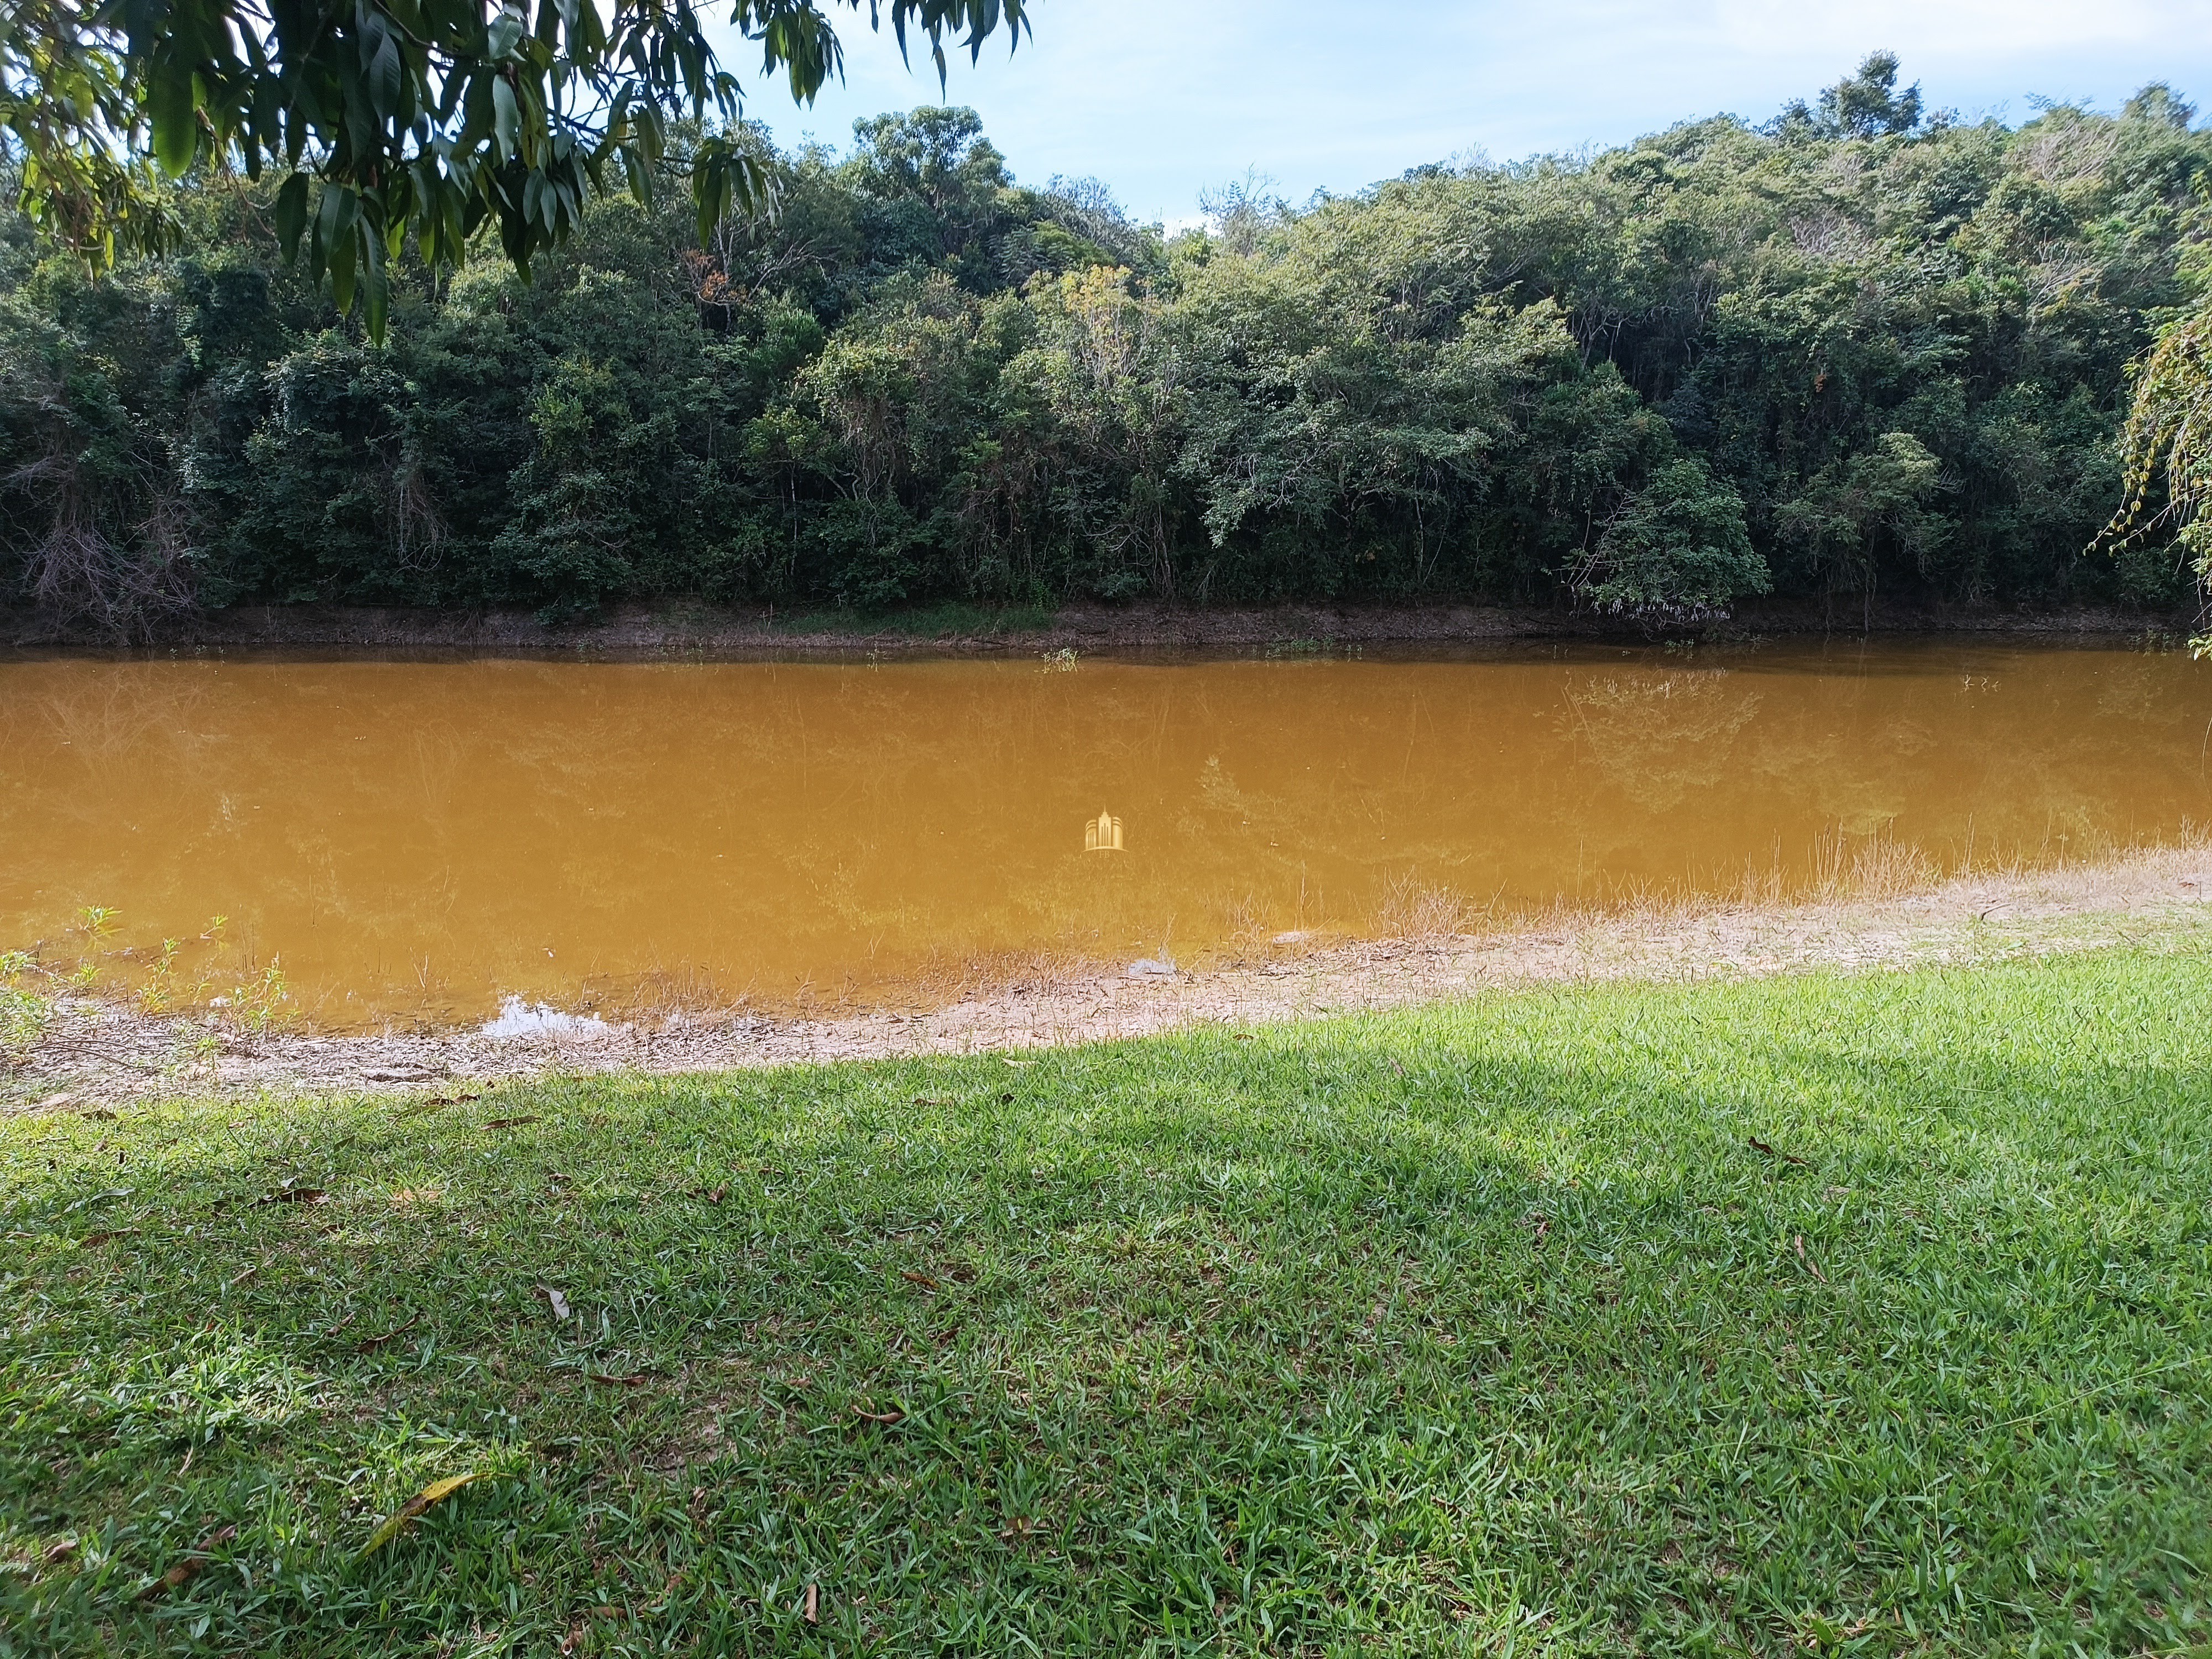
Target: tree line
1858,348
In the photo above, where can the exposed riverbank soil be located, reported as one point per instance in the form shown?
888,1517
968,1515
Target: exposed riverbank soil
96,1056
690,628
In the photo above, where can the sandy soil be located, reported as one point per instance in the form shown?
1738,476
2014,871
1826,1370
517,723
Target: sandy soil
693,628
96,1055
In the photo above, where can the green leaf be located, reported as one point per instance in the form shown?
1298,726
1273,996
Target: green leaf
337,245
292,214
333,226
478,113
170,108
384,76
342,274
507,120
453,207
376,290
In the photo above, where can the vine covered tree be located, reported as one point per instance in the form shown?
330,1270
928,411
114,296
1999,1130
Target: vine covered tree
2166,447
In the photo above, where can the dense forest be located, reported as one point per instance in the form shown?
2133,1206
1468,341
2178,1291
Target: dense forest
1858,349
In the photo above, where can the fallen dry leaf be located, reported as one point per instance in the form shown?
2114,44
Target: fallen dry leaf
436,1102
633,1380
92,1241
922,1279
1759,1145
375,1342
59,1551
1006,1099
188,1569
813,1604
507,1123
1813,1266
894,1415
555,1300
288,1193
97,1111
437,1491
1017,1062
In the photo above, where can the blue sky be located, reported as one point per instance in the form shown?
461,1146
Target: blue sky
1162,99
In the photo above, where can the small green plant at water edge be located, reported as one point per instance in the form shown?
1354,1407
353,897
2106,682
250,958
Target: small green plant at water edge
257,1002
25,1009
31,991
166,990
155,995
258,1005
97,923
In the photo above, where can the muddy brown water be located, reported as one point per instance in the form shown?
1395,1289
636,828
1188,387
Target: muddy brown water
415,840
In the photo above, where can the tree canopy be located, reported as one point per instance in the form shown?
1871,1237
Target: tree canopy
387,119
1804,360
1867,105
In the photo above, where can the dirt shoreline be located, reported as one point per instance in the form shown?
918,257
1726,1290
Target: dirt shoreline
690,630
96,1055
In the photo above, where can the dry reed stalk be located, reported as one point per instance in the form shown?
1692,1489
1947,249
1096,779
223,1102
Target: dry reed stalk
1411,908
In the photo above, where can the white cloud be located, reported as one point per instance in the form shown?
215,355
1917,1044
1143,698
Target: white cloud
1977,28
1161,100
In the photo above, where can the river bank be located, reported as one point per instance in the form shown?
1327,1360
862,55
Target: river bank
97,1053
686,627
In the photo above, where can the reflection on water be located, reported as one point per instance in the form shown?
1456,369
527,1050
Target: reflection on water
425,839
519,1018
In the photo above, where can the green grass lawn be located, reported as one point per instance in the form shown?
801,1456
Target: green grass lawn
1489,1328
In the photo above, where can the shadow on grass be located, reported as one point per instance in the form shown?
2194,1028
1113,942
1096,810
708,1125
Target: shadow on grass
1864,1315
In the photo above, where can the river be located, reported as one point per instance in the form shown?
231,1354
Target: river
413,841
